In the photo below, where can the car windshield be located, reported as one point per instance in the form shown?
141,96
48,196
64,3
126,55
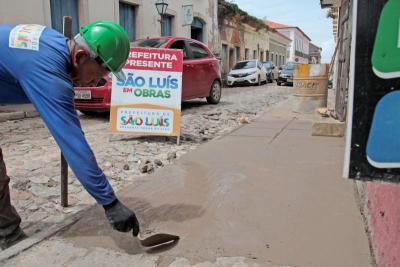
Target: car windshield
245,65
156,43
289,66
268,64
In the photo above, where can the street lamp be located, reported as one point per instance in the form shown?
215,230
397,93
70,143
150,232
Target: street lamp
161,6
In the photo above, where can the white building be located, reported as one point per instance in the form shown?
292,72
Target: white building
299,47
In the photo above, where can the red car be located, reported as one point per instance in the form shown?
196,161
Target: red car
201,75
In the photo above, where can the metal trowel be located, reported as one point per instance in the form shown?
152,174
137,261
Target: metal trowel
157,239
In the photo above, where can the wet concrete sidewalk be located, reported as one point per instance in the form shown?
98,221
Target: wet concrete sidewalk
268,194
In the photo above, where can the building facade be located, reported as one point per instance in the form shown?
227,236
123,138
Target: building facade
378,200
243,37
315,54
138,17
299,46
279,48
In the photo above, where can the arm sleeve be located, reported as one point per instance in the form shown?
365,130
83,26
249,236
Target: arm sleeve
53,97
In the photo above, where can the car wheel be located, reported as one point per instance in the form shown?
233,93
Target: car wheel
215,93
278,83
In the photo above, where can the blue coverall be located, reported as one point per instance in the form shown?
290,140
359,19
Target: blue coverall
43,76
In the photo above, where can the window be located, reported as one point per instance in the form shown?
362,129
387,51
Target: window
262,56
166,28
246,54
268,65
237,53
155,43
198,51
182,46
245,65
254,54
197,29
127,19
58,9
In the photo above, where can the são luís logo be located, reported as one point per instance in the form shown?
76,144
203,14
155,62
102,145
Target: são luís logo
146,121
130,119
149,87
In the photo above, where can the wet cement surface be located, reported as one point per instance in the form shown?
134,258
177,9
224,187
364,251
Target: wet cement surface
268,192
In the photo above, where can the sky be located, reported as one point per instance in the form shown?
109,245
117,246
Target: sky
305,14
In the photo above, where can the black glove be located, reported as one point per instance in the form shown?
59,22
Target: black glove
121,218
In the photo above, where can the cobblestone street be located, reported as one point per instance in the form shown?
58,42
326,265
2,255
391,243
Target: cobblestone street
33,159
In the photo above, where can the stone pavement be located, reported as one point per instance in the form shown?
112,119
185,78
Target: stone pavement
267,194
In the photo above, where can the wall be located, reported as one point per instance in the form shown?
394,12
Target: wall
382,207
314,54
22,11
241,37
279,45
302,46
300,43
380,186
146,21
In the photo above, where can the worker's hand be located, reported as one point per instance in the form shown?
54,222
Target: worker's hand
121,218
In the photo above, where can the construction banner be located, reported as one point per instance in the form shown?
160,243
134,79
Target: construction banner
148,102
373,134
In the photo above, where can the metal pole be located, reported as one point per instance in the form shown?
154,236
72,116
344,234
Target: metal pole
64,182
161,24
67,30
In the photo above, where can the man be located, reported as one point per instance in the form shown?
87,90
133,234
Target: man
40,63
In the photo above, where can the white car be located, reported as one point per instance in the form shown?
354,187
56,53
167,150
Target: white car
247,72
272,71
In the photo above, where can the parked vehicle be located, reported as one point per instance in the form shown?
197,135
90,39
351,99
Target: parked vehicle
286,74
272,71
247,72
201,75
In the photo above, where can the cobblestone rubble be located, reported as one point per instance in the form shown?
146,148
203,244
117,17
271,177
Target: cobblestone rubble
33,158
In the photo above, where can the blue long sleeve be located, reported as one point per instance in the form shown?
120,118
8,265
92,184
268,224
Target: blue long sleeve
55,106
43,76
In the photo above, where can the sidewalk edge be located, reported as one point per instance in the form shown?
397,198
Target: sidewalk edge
42,235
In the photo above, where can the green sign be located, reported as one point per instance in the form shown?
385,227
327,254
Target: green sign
386,53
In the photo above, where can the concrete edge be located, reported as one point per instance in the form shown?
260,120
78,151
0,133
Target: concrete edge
359,193
40,236
17,115
7,116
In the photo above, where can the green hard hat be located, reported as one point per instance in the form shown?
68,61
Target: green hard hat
110,43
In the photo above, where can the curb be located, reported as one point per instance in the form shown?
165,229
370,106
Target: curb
39,237
17,115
